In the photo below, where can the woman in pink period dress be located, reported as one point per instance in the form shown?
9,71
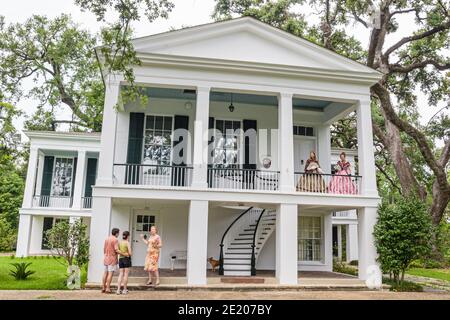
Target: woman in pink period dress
342,183
154,244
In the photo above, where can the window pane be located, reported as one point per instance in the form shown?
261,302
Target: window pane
159,123
150,124
309,132
301,131
139,218
168,123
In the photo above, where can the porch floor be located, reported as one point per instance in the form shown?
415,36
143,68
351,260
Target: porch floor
264,280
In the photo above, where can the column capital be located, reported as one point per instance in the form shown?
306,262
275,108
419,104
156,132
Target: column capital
203,89
286,95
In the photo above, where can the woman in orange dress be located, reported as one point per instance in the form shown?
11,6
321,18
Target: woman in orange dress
154,244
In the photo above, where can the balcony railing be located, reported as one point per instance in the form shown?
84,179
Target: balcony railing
327,183
242,179
52,201
86,202
152,175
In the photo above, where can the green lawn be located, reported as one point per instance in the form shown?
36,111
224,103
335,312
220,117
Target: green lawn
441,274
50,274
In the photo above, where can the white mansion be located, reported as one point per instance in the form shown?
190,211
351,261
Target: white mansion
218,158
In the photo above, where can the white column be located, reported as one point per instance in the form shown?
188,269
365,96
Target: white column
108,139
328,241
23,235
79,180
31,178
339,241
200,159
99,231
197,242
324,147
352,242
287,244
285,142
366,159
367,255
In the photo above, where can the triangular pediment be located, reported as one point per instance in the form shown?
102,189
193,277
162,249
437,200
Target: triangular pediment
247,40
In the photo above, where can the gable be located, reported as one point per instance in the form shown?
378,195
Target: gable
246,39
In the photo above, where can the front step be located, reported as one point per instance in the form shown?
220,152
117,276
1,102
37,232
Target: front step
232,267
241,273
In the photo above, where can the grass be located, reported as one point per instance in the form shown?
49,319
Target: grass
50,274
441,274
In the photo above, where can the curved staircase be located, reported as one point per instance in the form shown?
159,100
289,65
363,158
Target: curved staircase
243,241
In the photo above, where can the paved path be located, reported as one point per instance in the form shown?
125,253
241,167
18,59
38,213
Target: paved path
255,295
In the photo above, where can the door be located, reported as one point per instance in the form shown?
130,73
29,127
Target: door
142,222
302,148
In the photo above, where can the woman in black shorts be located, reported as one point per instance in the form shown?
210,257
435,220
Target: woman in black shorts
124,263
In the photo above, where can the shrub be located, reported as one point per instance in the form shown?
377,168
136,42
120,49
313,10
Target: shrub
342,267
21,272
353,263
7,236
402,235
404,286
70,242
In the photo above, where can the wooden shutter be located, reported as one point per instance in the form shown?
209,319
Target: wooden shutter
134,152
211,125
91,174
249,153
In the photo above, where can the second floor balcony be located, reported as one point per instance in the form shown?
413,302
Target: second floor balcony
235,179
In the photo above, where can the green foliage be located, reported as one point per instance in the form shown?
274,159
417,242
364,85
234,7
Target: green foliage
59,61
70,242
404,286
342,267
117,52
402,234
7,236
21,271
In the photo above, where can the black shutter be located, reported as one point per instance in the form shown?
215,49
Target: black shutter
47,176
178,174
91,173
48,224
249,153
134,153
211,125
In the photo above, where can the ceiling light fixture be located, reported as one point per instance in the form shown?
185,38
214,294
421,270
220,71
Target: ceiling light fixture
231,106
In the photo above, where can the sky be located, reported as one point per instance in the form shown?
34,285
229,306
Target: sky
185,13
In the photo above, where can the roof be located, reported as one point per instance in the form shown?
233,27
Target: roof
95,136
247,41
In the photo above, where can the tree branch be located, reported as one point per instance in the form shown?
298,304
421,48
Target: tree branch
419,36
419,137
445,156
417,65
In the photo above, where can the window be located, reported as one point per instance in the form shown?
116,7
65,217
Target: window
158,140
48,224
310,238
144,222
62,177
227,146
304,131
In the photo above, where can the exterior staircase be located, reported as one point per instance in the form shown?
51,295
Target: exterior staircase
254,224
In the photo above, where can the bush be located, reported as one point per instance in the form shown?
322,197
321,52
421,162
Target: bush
402,235
404,286
353,263
342,267
70,242
21,272
7,236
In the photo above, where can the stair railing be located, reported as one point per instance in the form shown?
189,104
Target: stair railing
253,258
221,270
